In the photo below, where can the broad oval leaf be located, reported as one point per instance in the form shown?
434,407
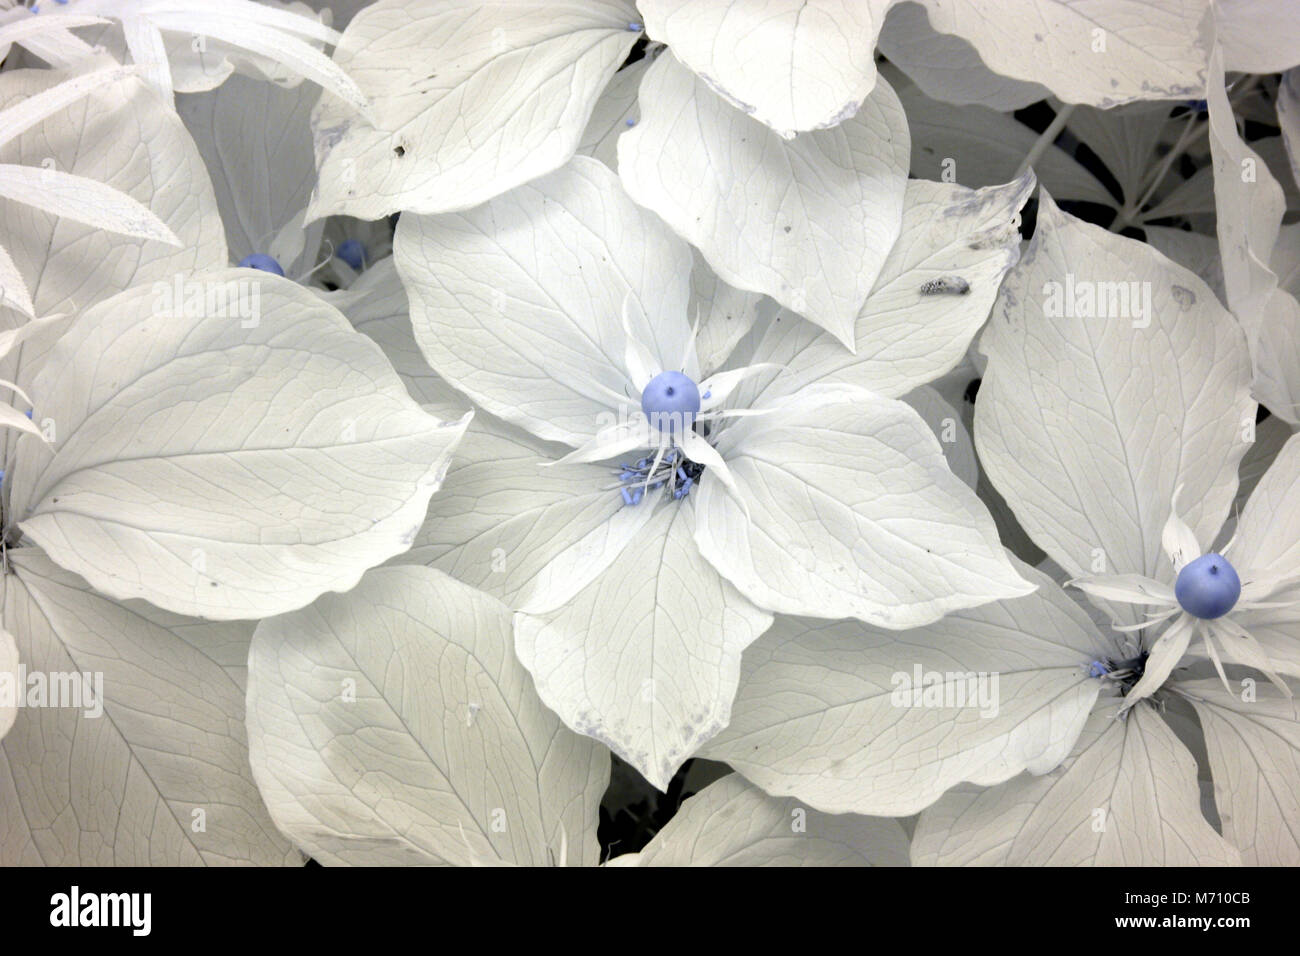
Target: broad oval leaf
1249,206
934,293
121,769
507,519
793,65
377,306
946,67
506,101
517,303
849,510
646,657
1101,55
255,138
1126,796
393,725
859,719
225,446
1254,756
733,823
807,221
614,114
1114,377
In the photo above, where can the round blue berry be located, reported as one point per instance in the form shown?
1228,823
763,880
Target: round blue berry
352,252
260,260
1208,587
671,401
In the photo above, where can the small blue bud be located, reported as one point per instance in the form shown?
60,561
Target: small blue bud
634,27
1208,587
352,252
29,415
260,260
1097,668
671,401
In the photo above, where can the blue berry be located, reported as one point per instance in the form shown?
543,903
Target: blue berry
671,401
1208,587
260,260
352,252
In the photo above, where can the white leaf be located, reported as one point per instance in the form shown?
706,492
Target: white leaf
977,146
947,68
118,135
1249,205
148,768
255,140
1102,55
793,65
1254,751
37,107
507,100
1268,533
393,725
646,657
1126,796
945,421
517,302
1196,253
1258,36
917,323
377,307
1268,543
852,513
733,823
725,315
83,200
227,458
507,522
1088,422
828,711
807,221
614,113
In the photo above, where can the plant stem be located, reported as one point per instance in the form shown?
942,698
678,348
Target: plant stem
1045,139
1130,210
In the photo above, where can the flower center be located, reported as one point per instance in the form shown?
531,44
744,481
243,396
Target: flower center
671,401
674,473
1208,587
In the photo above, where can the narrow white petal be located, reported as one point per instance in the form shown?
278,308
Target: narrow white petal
702,453
641,365
715,389
1129,588
1179,541
1165,654
612,441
